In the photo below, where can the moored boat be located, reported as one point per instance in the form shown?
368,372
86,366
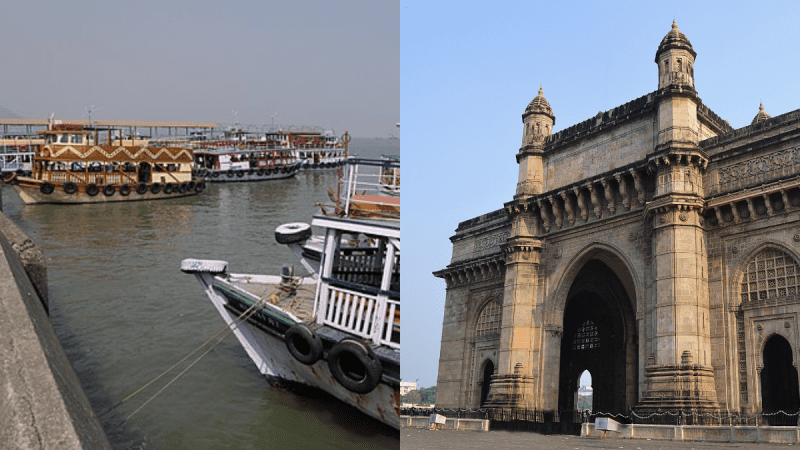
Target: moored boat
337,328
72,166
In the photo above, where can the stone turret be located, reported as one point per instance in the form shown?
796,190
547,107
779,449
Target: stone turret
538,121
675,58
761,116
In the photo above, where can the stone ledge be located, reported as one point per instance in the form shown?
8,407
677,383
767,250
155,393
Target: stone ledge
733,434
450,424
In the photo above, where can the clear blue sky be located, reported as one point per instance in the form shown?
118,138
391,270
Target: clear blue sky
313,62
469,69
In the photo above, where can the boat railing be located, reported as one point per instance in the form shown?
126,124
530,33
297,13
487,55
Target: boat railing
12,161
367,179
374,317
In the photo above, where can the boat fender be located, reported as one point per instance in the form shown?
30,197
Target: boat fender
108,190
260,172
229,173
251,171
290,233
47,188
155,188
268,172
198,188
70,187
215,175
168,188
239,173
303,343
141,188
92,189
181,188
355,366
190,186
124,190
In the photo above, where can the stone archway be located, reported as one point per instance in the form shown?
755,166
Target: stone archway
599,335
779,383
488,371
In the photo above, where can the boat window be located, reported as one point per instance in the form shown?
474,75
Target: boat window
361,260
63,138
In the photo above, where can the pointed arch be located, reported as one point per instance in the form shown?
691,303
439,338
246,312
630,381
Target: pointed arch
768,271
487,322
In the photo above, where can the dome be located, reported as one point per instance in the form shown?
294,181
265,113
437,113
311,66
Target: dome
761,116
540,105
675,39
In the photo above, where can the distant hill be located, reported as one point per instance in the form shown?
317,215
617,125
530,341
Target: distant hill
8,114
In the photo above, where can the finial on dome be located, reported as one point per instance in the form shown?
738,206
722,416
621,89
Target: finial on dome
541,92
674,25
760,106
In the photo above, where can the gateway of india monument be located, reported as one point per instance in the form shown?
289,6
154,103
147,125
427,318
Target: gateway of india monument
653,245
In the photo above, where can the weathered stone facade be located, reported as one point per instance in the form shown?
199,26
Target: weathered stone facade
653,245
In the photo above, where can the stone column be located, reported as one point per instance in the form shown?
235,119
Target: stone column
513,385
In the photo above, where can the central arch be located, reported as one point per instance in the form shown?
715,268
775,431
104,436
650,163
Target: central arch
599,335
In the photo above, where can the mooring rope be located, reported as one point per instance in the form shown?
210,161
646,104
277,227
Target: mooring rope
220,335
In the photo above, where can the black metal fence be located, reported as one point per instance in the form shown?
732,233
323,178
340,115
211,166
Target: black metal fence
569,422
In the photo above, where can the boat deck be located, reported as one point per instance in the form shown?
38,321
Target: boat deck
298,301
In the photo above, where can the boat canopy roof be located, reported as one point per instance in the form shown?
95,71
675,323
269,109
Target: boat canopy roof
375,227
108,153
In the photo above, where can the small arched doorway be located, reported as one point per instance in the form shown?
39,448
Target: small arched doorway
488,371
779,386
585,391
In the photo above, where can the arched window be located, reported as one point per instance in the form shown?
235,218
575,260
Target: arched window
586,337
770,274
489,319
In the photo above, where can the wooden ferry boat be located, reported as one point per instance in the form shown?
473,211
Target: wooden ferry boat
72,166
318,150
223,161
337,329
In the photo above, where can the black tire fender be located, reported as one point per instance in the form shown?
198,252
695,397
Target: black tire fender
70,187
109,190
92,189
47,188
354,365
168,188
303,343
155,188
125,190
141,188
290,233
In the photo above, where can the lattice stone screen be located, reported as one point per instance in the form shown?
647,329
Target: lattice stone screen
489,319
770,274
586,337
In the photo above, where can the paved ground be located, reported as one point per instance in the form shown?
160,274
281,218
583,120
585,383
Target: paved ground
423,439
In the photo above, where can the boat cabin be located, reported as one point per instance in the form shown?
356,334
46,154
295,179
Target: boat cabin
358,287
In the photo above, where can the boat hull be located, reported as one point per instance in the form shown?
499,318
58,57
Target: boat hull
264,343
233,176
32,195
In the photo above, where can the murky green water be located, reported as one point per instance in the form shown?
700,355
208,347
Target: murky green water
124,313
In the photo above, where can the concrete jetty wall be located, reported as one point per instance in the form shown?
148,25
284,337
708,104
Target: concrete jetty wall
42,403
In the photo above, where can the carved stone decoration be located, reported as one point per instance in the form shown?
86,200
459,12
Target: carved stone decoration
768,204
787,325
735,249
718,215
598,208
797,237
556,211
637,184
611,201
785,197
750,208
623,190
581,204
735,212
760,327
544,215
568,207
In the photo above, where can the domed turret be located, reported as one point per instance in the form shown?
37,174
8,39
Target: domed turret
538,120
761,116
675,58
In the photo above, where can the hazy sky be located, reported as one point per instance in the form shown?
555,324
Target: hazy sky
311,62
468,71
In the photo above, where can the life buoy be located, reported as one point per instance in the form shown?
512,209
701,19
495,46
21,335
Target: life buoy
47,188
355,366
109,190
70,187
141,188
239,173
155,188
303,343
92,189
181,188
290,233
168,188
125,190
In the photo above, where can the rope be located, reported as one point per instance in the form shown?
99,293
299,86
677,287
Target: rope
221,334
